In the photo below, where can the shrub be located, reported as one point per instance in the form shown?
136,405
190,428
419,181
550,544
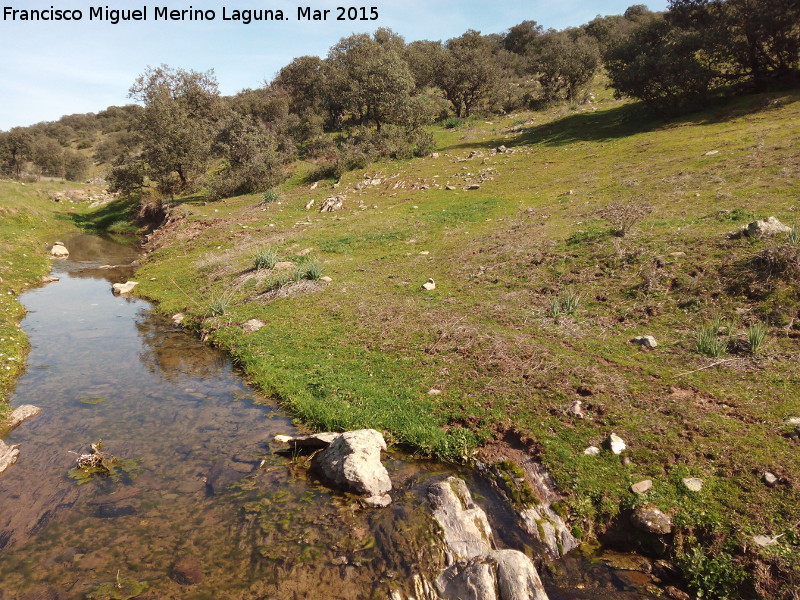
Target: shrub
713,576
265,259
624,215
452,123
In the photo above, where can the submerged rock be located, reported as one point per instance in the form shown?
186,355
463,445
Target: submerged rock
352,462
21,414
187,571
8,455
313,441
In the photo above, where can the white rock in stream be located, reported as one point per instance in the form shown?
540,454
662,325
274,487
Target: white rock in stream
59,251
477,572
353,462
124,288
8,455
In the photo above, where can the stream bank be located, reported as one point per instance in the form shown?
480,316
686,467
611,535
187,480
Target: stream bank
210,510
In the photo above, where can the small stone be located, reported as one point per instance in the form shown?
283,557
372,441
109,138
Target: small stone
648,341
450,188
253,325
501,149
616,444
378,501
434,392
305,252
429,285
676,594
124,288
424,253
177,318
474,186
326,279
283,265
592,451
693,484
769,479
435,155
677,254
711,153
642,487
764,540
340,560
651,520
575,409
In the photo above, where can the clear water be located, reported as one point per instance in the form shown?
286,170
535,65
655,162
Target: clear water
213,513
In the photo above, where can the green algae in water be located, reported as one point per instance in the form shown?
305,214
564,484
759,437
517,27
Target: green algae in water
124,588
91,401
119,470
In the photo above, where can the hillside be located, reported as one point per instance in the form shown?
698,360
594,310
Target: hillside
535,306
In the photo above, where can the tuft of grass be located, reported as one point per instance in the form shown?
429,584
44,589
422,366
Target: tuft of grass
269,196
219,305
566,303
310,270
452,123
793,237
708,342
756,335
265,259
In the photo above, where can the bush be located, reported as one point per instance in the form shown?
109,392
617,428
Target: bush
624,215
712,576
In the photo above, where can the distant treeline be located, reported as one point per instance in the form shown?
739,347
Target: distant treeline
374,96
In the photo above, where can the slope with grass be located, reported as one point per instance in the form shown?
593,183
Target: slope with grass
535,304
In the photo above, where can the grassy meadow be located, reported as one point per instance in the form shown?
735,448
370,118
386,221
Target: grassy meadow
536,302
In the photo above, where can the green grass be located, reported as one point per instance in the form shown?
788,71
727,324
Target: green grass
365,350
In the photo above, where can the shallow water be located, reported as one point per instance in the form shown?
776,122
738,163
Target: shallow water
213,512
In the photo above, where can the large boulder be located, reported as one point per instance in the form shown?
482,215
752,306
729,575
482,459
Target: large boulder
353,462
8,455
475,571
465,528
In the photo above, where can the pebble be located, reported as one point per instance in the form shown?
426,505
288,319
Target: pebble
769,479
592,451
616,444
642,487
693,484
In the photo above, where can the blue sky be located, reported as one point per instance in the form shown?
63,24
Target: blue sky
51,69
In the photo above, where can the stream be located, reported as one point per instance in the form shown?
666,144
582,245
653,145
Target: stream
206,509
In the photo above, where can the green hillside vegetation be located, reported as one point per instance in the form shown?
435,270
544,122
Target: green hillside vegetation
559,220
366,349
